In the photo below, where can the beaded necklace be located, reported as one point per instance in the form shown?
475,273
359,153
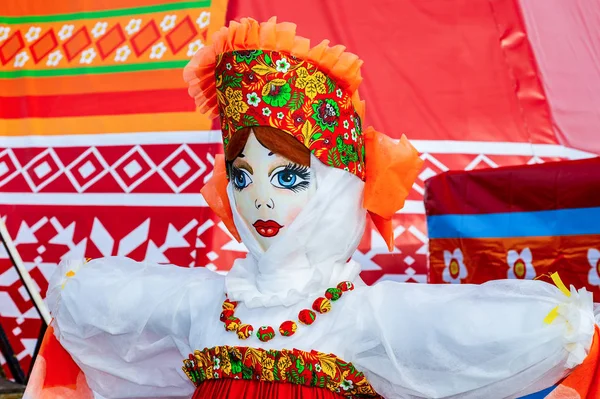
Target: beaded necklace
287,328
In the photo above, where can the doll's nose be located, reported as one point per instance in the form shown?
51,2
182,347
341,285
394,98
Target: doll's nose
268,203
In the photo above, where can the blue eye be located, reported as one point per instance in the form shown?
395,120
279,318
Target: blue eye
291,177
286,179
240,178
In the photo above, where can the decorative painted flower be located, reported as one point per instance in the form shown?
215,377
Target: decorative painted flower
99,29
253,99
282,65
346,152
122,54
266,111
168,22
339,93
4,32
347,385
455,269
216,363
21,59
228,66
353,133
593,256
312,84
298,118
280,115
326,113
203,20
194,46
520,264
87,56
247,56
346,124
346,136
318,368
235,103
133,26
54,58
66,32
327,140
33,33
277,92
158,50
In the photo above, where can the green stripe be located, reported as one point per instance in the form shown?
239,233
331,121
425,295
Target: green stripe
106,13
93,70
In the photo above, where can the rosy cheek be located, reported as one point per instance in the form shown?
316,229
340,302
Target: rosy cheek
292,214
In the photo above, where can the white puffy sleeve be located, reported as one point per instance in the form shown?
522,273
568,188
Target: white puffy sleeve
470,341
127,324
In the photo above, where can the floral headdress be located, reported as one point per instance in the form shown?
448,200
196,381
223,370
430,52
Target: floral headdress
264,75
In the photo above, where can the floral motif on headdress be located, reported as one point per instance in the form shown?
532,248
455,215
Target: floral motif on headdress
270,88
264,75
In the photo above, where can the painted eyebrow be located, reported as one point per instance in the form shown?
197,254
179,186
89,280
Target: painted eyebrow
241,164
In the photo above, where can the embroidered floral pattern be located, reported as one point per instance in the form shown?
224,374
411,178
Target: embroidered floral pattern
302,101
312,369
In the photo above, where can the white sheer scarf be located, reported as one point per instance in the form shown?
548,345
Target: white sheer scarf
314,251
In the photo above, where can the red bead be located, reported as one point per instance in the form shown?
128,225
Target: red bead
265,333
229,305
333,294
321,305
307,316
288,328
244,331
346,286
232,324
227,313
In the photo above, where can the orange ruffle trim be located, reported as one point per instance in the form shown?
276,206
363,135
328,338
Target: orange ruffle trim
248,34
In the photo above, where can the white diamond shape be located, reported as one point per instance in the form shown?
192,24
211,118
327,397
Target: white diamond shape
481,159
42,169
426,174
100,175
3,168
8,152
41,249
17,331
212,256
181,168
409,260
37,170
183,148
410,271
132,168
38,260
86,169
142,178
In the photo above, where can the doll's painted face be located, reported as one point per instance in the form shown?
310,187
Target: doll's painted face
269,190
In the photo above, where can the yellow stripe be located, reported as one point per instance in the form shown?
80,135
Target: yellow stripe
551,316
171,121
559,283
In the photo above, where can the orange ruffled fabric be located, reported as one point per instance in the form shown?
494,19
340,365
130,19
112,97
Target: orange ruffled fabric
248,34
584,381
391,167
215,195
55,374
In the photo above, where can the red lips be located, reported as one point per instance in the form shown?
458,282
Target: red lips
270,228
